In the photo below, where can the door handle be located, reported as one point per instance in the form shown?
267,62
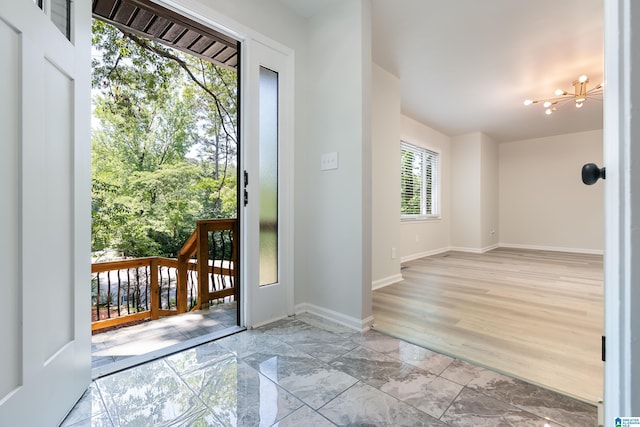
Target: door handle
591,173
245,192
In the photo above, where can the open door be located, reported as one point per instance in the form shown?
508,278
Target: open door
44,215
622,211
268,184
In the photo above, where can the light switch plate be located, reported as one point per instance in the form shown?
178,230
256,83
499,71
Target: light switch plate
329,161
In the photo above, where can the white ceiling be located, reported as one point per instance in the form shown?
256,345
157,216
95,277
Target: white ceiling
468,65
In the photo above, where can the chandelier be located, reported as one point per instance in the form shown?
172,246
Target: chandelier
579,96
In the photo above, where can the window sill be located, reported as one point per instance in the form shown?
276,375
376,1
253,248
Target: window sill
420,219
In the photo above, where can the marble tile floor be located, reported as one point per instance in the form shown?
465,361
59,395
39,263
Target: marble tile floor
119,344
306,371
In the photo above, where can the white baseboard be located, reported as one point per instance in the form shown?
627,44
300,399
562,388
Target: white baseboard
381,283
360,325
487,249
424,254
474,250
447,249
552,249
266,322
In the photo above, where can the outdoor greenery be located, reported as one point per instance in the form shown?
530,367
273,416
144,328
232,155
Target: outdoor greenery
410,184
416,181
164,144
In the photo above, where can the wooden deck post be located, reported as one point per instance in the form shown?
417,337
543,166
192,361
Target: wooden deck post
203,267
154,289
181,286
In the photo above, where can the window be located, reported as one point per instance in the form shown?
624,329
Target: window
59,11
419,186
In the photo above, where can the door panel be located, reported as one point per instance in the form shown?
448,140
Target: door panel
44,217
9,209
269,213
54,153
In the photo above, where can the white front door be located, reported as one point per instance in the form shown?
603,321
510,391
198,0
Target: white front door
45,361
268,154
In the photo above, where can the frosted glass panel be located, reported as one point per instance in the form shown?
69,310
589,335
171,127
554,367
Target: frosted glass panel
268,176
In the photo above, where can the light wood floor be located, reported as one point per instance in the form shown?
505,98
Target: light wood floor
534,315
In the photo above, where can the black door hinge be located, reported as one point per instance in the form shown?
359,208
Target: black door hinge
604,348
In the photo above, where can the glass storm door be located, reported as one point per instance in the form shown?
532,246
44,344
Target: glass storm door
268,185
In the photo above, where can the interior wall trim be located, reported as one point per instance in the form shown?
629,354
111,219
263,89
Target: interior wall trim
423,254
360,325
553,248
386,281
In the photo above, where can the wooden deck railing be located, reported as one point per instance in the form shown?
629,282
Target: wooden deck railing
148,288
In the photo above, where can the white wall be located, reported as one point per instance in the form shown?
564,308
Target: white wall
386,177
422,238
489,193
333,208
474,192
266,17
465,191
543,202
332,113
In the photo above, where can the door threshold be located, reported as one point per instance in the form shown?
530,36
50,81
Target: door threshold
130,362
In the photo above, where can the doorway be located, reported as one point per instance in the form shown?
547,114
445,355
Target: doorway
166,161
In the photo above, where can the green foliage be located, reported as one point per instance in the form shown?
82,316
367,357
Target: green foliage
164,144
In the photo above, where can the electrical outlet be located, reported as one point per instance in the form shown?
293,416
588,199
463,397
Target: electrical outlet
393,253
329,161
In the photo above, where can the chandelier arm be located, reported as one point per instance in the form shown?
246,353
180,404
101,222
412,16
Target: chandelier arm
565,100
559,98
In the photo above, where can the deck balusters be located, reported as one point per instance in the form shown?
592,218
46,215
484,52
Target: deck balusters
98,296
193,300
212,257
209,254
146,288
129,292
168,288
108,294
119,293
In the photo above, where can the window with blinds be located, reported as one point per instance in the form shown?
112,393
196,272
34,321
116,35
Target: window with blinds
419,183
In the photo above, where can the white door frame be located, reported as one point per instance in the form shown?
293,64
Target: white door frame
622,209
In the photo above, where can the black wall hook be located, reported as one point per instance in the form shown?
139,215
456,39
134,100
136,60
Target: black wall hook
591,173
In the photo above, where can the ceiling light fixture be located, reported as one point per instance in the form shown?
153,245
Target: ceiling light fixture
580,95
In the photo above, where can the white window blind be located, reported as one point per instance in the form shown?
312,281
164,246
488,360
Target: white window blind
419,186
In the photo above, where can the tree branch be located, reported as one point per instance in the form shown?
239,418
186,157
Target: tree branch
222,111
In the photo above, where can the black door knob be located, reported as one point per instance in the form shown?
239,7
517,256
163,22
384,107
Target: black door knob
591,173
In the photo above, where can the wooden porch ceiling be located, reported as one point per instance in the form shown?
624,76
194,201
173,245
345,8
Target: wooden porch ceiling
144,18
